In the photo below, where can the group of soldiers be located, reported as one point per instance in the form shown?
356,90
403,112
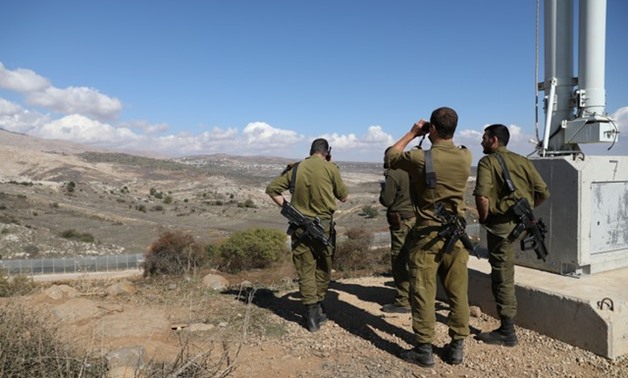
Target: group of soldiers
418,183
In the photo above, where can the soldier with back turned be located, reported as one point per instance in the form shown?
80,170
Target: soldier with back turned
439,176
315,184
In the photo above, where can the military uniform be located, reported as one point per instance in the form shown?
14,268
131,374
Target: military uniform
428,260
500,222
317,186
395,196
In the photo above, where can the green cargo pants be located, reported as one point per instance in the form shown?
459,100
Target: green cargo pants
400,245
428,262
313,263
502,260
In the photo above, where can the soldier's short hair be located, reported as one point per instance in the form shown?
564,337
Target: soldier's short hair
321,146
500,131
445,121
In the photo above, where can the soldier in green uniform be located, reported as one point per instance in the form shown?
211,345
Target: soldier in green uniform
438,176
494,201
395,196
316,185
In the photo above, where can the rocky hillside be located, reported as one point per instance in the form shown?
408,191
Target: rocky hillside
48,188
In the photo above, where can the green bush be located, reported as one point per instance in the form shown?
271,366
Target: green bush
70,186
253,249
84,237
174,253
370,211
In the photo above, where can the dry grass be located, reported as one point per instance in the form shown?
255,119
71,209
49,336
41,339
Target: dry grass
32,346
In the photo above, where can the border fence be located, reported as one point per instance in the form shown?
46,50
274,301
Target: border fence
112,263
75,264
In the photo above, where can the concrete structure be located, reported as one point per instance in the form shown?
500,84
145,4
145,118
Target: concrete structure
590,312
586,215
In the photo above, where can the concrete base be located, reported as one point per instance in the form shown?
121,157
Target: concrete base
590,312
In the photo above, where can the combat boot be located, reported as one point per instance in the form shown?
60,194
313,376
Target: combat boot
456,348
311,317
504,335
420,355
322,315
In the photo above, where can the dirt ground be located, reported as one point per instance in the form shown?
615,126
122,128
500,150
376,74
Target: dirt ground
259,326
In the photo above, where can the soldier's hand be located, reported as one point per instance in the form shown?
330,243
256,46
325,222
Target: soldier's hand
418,128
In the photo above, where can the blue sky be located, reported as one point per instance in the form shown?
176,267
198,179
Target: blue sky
267,77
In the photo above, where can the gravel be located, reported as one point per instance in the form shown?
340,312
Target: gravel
361,341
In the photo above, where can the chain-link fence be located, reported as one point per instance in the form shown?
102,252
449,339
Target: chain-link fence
113,263
72,264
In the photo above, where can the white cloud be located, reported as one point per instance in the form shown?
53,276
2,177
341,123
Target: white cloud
77,100
266,137
375,137
21,80
81,129
8,108
338,141
85,111
72,100
15,118
621,118
145,126
214,141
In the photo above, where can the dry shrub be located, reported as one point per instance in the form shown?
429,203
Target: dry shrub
17,285
174,253
31,346
72,234
190,363
355,253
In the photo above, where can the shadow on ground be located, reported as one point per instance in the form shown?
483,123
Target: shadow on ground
353,319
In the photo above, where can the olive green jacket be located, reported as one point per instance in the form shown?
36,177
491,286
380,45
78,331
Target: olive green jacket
395,193
452,166
317,187
490,181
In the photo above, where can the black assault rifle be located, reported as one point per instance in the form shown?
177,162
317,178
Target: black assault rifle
313,228
454,229
536,229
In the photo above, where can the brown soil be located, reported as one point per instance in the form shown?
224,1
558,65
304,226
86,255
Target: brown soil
258,322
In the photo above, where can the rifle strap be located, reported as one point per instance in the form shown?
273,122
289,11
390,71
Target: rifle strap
430,175
505,174
294,178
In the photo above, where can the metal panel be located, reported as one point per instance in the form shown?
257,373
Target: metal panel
609,216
